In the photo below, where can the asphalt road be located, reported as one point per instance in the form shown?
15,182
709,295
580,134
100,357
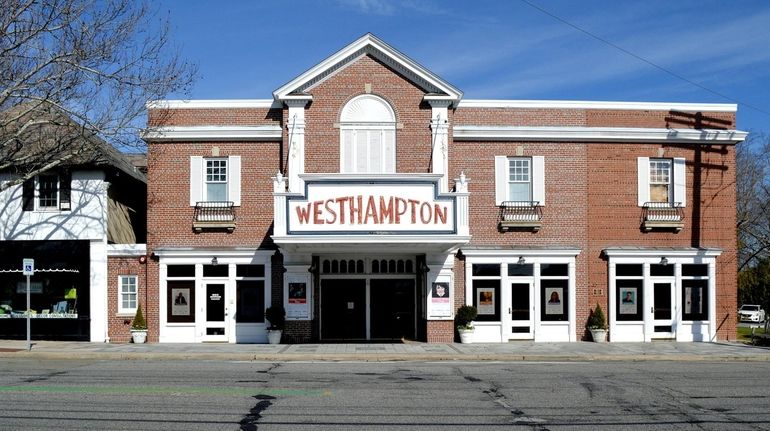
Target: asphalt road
212,395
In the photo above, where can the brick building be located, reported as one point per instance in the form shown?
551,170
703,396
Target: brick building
370,199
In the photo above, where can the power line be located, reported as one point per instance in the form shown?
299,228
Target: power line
640,58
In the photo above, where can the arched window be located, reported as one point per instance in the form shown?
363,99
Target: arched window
367,136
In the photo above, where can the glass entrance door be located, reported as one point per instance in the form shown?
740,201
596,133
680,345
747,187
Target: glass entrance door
663,310
216,313
518,324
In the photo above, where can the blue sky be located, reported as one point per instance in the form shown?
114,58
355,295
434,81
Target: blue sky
497,49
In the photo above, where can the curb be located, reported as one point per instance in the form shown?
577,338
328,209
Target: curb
381,357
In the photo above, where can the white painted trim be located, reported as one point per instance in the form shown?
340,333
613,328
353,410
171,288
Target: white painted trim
511,253
596,134
213,104
126,250
368,41
214,133
587,104
638,253
195,253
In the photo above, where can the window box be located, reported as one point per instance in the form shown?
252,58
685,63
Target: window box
662,215
521,214
214,215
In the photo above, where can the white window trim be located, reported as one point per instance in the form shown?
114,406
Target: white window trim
198,179
537,177
678,180
121,309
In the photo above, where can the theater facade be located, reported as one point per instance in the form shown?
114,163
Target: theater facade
370,199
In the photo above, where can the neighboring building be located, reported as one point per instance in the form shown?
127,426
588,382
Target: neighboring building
68,219
371,200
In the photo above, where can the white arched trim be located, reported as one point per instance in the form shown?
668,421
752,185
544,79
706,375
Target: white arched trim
367,136
367,108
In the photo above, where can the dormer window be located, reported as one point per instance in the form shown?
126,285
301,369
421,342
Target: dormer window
367,136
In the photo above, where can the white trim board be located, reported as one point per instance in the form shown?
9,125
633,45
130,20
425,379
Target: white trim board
213,104
214,133
596,134
588,104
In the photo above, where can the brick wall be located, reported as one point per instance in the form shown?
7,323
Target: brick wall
119,325
591,201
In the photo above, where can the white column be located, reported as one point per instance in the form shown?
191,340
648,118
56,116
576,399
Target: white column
439,125
295,126
461,191
279,205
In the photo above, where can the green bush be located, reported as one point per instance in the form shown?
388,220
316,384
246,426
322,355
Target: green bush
596,319
465,316
139,324
276,315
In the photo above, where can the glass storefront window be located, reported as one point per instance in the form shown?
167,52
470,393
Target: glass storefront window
695,299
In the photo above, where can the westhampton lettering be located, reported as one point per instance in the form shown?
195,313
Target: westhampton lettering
371,210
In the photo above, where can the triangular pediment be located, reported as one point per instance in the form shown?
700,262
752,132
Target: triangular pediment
434,87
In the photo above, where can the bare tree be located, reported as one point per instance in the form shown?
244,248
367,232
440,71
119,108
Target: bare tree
753,199
72,71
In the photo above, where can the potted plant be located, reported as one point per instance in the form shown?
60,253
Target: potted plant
139,327
464,319
276,315
597,324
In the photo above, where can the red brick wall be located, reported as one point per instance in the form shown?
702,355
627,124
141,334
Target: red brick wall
441,331
591,199
170,216
322,139
119,325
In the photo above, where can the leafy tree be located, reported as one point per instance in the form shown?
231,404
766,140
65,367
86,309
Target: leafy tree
73,70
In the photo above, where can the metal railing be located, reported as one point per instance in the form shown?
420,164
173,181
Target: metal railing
662,211
521,214
662,215
214,215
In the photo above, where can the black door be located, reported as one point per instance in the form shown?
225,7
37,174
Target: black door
392,309
343,310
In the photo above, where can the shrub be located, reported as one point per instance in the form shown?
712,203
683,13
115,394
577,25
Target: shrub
139,324
596,319
465,315
276,315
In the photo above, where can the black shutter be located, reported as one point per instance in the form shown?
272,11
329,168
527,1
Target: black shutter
28,195
65,191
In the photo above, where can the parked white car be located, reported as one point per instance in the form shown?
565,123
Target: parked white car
751,313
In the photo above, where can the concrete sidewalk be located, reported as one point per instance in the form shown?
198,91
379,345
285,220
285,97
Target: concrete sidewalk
409,351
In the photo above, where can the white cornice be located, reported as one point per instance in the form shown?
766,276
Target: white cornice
214,133
580,104
126,249
596,134
369,43
213,104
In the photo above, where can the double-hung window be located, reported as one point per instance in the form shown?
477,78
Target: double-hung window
215,179
520,180
47,192
128,292
661,181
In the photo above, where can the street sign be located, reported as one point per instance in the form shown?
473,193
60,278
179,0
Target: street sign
28,266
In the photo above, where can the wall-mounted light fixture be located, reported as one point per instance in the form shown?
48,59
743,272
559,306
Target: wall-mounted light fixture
521,261
214,260
663,261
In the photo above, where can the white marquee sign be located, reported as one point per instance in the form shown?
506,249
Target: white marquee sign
371,207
